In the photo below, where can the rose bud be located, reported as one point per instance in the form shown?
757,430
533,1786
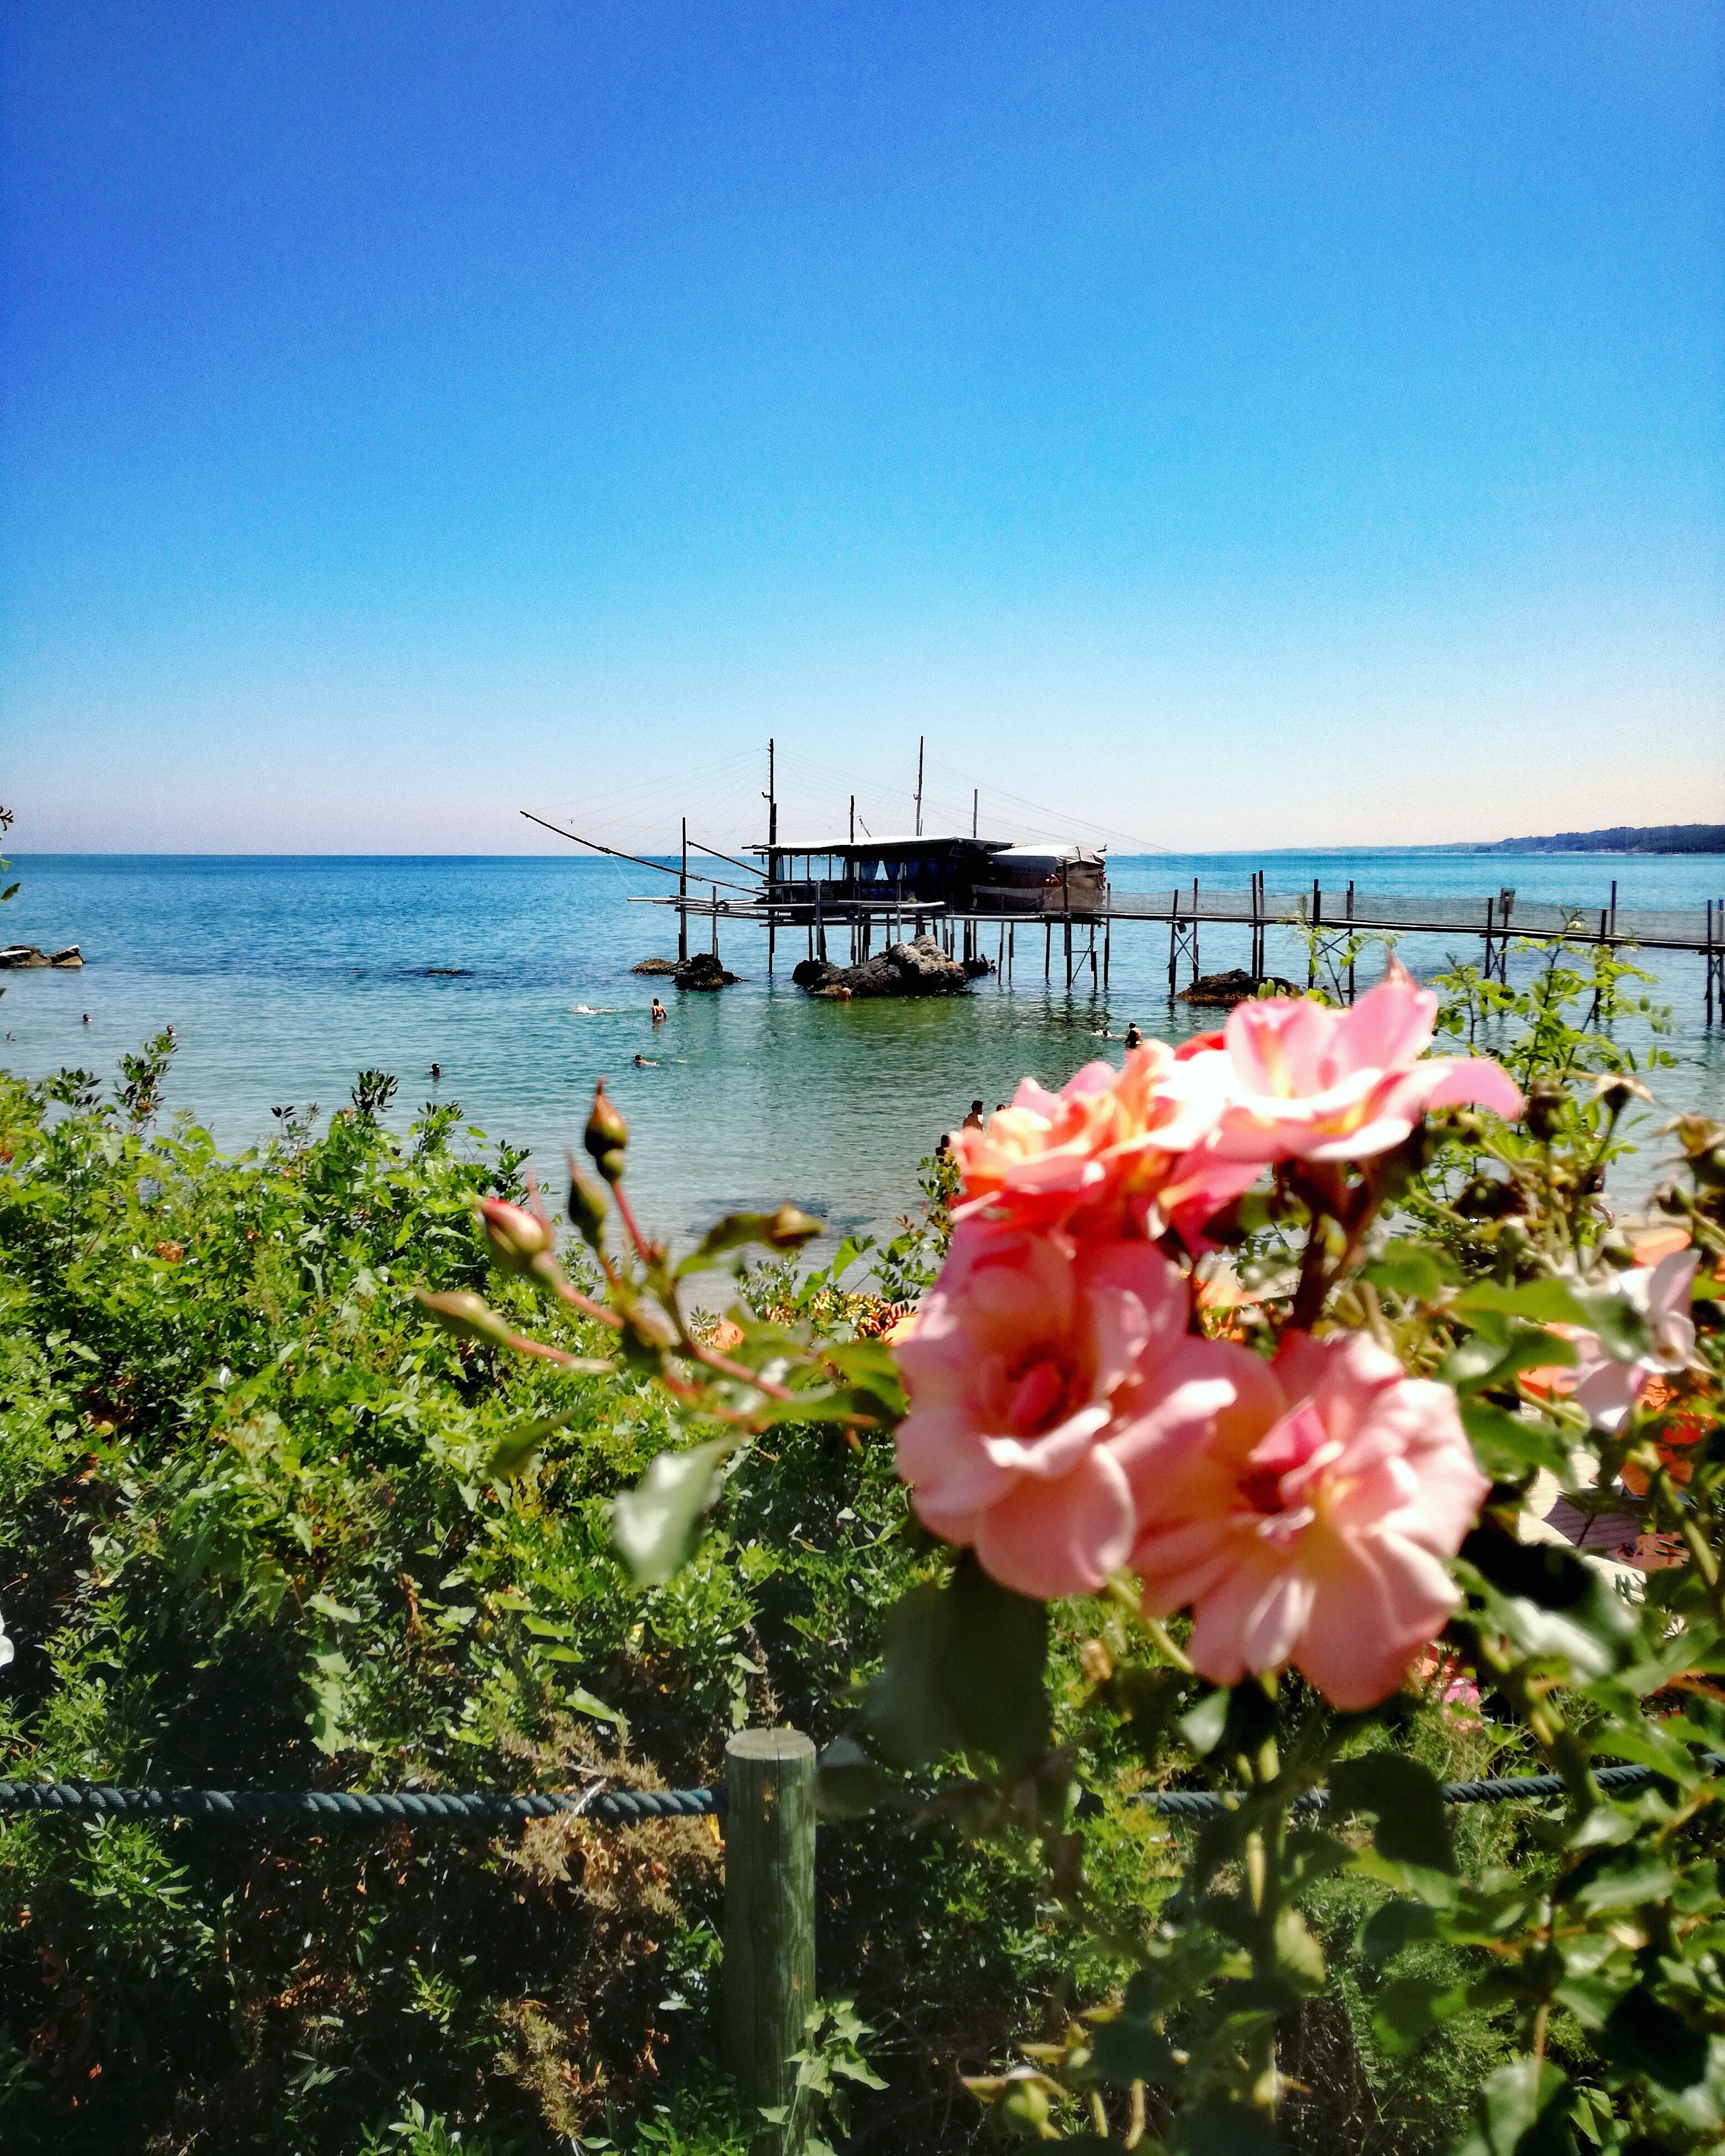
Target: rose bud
588,1205
605,1136
514,1237
790,1228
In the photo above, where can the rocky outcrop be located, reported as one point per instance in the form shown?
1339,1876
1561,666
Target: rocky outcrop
1237,986
920,968
17,955
655,965
701,970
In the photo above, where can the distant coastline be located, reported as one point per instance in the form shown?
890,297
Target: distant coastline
1619,839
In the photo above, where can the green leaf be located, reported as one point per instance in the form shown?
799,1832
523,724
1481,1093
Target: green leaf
996,1651
1546,1301
654,1525
1409,2009
1507,1447
1621,1878
1481,1360
849,1783
1623,1330
1518,2116
512,1453
1202,1728
1298,1955
1214,2127
784,1229
1410,1269
1412,1827
1393,1925
1125,2049
579,1701
963,1672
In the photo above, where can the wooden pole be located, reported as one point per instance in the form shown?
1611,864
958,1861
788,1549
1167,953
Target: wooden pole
683,905
919,786
1350,939
1108,944
715,921
1048,950
1317,916
772,844
769,1918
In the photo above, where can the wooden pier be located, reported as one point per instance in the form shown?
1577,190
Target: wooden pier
1078,938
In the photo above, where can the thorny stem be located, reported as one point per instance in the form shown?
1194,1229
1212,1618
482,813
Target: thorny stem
625,1213
1123,1594
1264,1857
1707,1564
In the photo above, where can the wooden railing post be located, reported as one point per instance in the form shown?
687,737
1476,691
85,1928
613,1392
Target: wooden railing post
769,1915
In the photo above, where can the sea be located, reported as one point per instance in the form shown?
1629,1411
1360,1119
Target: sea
284,976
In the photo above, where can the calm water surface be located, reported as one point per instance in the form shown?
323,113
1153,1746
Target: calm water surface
283,976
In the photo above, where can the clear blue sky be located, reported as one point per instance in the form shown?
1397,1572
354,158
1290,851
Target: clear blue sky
1235,424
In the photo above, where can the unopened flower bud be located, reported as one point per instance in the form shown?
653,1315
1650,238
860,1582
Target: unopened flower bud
468,1316
513,1236
1021,2108
589,1205
790,1228
1544,1105
605,1136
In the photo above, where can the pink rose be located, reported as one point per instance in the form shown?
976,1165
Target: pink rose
1305,1082
1091,1155
1302,1509
1025,1354
1609,1389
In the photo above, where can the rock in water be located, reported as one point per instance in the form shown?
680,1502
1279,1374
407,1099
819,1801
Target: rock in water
701,970
71,955
920,968
655,965
19,955
1236,986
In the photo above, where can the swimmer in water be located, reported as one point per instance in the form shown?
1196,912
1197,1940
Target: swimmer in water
660,1012
1134,1039
87,1018
973,1121
437,1070
646,1063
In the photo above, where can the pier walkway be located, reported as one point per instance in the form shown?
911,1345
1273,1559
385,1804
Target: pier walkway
1334,919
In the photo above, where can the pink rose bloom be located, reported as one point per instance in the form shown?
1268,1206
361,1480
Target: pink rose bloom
1307,1083
1091,1155
1026,1354
1302,1509
1609,1389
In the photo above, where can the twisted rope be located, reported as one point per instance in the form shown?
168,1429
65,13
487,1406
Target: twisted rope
408,1807
618,1807
1207,1803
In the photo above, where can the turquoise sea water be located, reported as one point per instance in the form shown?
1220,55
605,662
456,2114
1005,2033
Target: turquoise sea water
282,977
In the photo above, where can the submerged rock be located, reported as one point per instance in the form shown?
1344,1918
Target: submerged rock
701,970
655,965
1236,986
71,955
920,968
16,955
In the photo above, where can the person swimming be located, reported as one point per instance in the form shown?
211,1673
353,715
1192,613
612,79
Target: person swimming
437,1070
1134,1039
646,1063
660,1012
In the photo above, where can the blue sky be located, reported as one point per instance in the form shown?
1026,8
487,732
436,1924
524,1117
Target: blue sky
1222,424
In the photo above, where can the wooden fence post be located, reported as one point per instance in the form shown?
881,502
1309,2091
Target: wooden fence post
769,1915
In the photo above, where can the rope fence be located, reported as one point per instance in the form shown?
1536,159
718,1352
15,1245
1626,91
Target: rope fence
615,1808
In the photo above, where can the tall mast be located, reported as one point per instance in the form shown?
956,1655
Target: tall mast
919,786
772,842
975,795
853,820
